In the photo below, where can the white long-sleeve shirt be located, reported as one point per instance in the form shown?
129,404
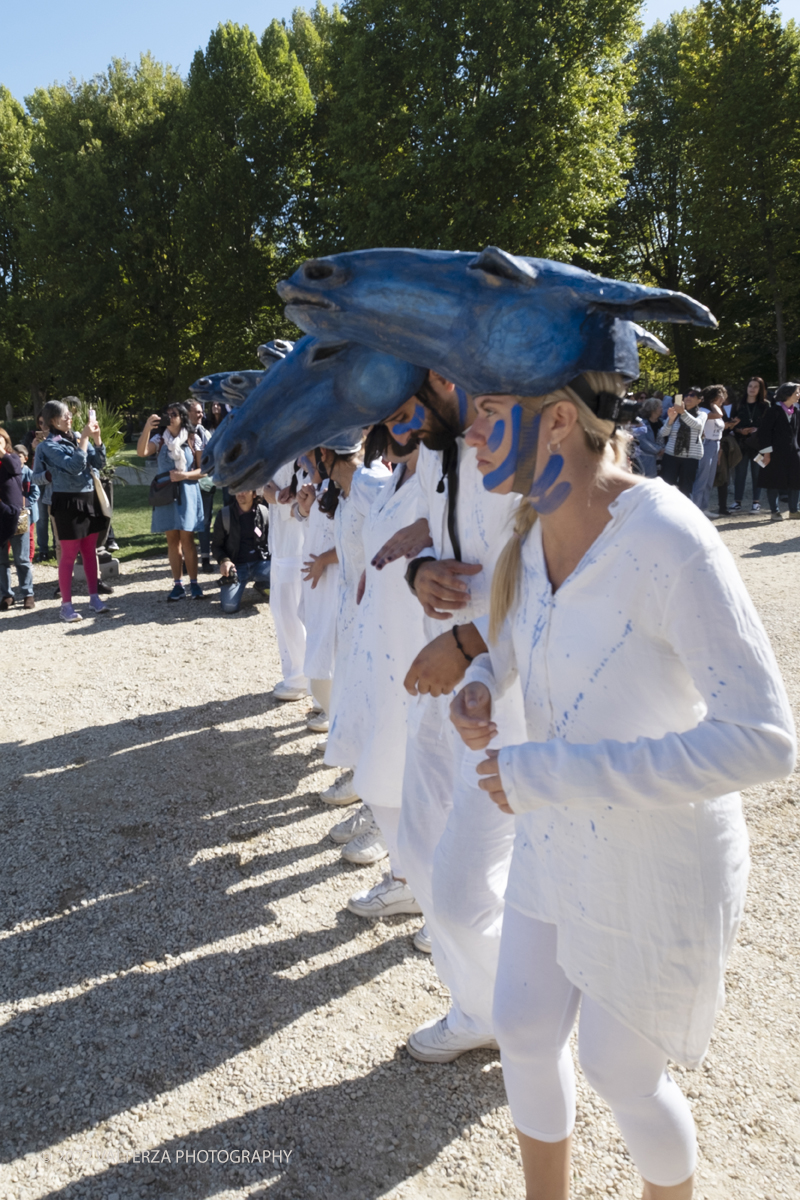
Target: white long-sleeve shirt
651,696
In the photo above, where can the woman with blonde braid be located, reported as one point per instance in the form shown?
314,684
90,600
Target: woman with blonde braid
644,720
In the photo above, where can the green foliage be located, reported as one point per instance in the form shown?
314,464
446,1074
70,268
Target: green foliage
456,124
15,342
111,428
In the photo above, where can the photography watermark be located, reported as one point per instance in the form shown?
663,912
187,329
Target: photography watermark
246,1157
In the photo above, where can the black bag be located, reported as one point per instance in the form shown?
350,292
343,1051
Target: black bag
164,491
750,445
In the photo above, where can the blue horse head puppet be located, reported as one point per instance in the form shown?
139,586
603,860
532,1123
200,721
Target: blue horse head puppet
490,322
308,398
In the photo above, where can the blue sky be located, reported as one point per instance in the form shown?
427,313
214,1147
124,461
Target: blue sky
53,39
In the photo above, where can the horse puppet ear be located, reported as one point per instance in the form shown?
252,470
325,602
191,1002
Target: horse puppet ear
645,338
497,264
634,302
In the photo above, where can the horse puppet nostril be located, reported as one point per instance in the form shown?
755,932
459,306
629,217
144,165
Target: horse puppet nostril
230,456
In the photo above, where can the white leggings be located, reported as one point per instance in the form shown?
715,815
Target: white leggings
321,691
388,819
535,1007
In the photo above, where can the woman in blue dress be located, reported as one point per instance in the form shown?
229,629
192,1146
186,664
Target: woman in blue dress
179,454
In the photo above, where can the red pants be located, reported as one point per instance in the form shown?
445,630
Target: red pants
70,549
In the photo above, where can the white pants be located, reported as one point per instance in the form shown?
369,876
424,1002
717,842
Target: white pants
321,691
535,1008
388,820
284,598
455,848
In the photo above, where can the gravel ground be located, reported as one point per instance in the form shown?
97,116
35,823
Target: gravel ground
189,1010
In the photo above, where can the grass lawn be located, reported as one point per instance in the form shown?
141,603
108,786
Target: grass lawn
131,522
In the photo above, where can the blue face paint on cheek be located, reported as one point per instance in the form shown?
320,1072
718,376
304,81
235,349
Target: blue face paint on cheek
412,425
495,439
509,464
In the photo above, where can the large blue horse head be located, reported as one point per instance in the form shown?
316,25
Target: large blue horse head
490,322
305,400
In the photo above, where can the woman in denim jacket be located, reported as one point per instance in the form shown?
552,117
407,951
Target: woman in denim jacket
68,462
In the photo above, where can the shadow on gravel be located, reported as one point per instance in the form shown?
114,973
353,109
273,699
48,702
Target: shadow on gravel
767,549
351,1141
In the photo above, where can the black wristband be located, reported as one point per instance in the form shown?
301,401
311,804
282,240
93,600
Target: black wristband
468,657
413,567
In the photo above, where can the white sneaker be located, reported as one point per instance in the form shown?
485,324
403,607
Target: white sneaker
368,847
283,691
756,507
317,722
435,1042
422,940
352,826
386,898
342,791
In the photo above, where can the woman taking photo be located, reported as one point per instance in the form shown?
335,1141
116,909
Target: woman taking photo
750,414
630,863
74,509
778,442
683,437
179,454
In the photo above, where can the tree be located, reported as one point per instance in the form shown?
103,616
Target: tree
742,66
245,134
454,125
104,296
14,172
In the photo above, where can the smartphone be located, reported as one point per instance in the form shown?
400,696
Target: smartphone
92,415
677,400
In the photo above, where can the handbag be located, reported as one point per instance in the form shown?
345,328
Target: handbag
750,445
23,522
100,493
164,491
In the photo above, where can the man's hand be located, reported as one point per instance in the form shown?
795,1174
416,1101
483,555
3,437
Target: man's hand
438,587
225,568
471,713
362,584
305,498
491,782
439,667
406,543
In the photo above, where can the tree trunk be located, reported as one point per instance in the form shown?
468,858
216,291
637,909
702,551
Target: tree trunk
38,399
777,300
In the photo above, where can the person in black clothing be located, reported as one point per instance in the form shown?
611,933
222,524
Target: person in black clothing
240,547
779,443
750,412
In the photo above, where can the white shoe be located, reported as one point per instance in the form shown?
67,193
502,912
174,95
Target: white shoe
352,826
317,722
283,691
422,940
435,1042
342,791
320,745
368,847
386,898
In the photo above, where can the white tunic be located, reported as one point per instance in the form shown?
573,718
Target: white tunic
651,696
390,621
318,605
347,694
285,534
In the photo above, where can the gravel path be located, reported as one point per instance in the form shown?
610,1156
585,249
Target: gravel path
188,1010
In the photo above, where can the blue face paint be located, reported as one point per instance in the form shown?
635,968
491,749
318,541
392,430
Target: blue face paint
509,464
412,425
307,465
546,495
462,406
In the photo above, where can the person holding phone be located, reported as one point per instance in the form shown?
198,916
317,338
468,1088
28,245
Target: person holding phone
172,438
683,437
68,462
